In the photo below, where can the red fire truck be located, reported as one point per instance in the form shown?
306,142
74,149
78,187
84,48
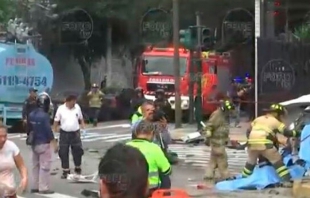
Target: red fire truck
154,70
223,64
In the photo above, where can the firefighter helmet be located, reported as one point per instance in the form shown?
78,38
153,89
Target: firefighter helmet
227,105
94,85
278,108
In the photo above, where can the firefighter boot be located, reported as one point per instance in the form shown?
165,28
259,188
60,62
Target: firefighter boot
283,173
209,175
210,172
248,169
287,184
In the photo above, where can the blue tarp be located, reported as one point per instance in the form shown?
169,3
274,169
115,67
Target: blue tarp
265,176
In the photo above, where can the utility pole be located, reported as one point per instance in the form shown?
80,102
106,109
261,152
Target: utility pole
198,99
191,87
176,64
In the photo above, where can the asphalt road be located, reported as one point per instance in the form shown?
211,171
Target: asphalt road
186,175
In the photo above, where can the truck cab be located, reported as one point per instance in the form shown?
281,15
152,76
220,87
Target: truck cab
155,71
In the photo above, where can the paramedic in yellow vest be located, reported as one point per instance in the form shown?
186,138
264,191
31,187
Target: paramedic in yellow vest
159,166
136,116
95,97
261,140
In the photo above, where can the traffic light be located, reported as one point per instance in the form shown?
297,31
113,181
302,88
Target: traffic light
277,8
207,39
188,38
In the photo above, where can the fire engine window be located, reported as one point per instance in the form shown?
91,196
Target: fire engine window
162,65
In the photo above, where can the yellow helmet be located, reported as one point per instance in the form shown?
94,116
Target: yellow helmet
227,105
278,108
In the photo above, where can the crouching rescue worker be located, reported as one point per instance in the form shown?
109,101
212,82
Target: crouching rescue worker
217,134
95,102
159,166
261,142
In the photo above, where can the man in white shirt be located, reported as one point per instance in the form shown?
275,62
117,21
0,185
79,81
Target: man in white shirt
69,117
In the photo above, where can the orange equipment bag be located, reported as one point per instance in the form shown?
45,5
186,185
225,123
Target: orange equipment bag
175,193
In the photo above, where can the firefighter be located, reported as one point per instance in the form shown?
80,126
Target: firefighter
261,142
161,101
217,134
95,101
137,99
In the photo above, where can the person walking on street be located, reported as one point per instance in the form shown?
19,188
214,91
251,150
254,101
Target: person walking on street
95,102
42,141
29,105
235,94
217,136
69,116
10,158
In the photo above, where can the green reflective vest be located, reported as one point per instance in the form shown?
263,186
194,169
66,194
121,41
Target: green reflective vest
155,158
137,116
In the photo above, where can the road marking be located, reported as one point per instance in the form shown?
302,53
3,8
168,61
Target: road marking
199,156
107,137
109,127
127,137
56,195
16,135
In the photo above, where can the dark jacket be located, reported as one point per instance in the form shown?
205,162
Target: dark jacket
29,105
136,103
39,122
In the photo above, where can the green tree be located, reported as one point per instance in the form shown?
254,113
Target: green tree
303,33
124,17
7,10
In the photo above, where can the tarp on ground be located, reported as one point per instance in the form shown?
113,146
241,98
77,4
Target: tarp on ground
266,176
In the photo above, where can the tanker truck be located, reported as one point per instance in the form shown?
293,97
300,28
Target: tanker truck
22,68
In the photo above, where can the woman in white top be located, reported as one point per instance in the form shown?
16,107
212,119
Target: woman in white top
10,159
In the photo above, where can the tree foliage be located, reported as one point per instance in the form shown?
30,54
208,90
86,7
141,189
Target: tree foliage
124,17
7,10
303,32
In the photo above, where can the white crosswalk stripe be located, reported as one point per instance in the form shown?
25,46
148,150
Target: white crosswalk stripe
88,137
54,195
198,156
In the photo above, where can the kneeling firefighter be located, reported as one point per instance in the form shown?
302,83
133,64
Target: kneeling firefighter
217,134
261,142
